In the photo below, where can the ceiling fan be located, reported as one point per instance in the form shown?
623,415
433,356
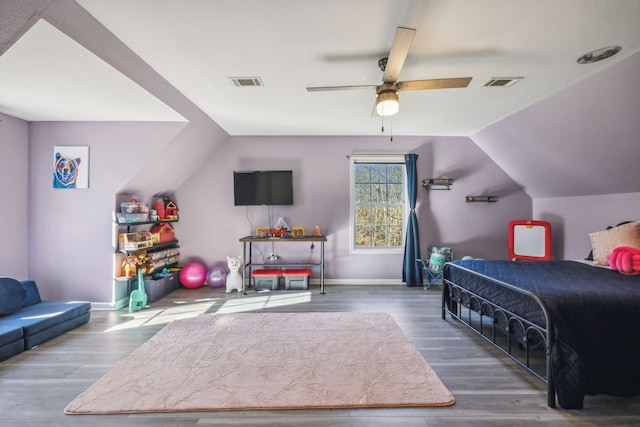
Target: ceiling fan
387,102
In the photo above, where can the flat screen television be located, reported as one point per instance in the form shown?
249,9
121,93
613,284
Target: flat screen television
252,188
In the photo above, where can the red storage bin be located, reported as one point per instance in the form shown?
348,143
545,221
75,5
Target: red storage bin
266,279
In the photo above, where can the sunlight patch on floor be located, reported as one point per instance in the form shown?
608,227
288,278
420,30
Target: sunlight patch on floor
263,300
183,309
163,315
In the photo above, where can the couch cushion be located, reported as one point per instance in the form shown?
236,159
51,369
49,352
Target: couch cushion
33,295
9,334
12,295
38,338
11,342
47,314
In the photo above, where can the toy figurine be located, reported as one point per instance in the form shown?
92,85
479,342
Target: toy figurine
138,297
234,278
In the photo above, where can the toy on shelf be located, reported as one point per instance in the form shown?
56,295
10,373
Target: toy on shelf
162,233
134,264
166,209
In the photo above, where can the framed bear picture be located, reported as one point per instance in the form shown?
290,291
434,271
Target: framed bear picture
70,166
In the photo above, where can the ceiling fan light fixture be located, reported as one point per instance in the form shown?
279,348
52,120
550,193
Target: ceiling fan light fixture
387,103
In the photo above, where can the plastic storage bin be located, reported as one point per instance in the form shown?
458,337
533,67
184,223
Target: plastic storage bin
296,279
267,279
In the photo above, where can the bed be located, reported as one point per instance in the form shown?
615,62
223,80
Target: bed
581,320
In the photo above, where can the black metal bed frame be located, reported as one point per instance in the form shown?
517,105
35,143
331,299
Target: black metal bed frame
455,299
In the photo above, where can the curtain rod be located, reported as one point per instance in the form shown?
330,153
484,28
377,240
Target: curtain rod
375,155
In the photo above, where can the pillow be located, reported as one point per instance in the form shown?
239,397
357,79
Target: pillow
12,294
32,295
590,256
603,242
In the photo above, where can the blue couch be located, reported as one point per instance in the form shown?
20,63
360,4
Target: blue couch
26,321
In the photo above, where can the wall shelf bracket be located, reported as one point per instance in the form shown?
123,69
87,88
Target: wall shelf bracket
443,183
486,199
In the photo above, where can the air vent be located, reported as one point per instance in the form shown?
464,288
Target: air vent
246,81
503,81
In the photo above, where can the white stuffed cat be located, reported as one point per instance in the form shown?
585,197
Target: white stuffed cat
234,278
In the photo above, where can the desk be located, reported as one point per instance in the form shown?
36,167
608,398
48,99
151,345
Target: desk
247,261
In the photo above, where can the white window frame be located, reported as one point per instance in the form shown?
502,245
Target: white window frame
396,159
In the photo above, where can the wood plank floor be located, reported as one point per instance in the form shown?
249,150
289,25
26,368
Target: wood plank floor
490,389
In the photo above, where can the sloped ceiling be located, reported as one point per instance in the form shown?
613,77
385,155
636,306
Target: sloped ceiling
290,44
584,140
47,73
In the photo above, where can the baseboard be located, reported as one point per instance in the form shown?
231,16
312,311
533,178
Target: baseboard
358,282
124,302
316,282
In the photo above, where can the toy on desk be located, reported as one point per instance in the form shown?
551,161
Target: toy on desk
297,232
234,278
278,233
262,232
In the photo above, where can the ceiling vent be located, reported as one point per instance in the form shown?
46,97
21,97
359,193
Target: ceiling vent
246,81
503,81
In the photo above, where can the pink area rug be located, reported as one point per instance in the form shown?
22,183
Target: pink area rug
245,361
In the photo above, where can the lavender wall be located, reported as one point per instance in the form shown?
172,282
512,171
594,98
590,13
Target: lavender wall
210,225
573,218
583,140
70,233
14,175
576,153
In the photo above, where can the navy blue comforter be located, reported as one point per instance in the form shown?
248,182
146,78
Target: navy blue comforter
595,313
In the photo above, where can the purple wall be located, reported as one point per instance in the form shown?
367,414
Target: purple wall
14,175
573,218
211,225
576,153
70,233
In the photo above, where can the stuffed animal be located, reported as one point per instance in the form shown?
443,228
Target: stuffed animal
234,278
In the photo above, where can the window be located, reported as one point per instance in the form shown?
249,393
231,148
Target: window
378,208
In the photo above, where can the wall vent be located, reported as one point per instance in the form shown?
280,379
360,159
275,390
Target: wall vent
246,81
503,81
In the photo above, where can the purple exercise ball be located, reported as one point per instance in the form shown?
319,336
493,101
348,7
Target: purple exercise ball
217,275
193,275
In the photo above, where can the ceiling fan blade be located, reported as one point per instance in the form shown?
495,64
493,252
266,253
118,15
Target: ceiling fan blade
435,84
398,53
328,88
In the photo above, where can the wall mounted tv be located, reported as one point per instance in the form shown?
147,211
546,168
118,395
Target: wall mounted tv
252,188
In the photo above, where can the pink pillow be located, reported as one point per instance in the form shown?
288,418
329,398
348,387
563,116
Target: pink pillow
625,259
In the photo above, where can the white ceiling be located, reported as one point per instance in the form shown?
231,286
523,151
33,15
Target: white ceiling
197,45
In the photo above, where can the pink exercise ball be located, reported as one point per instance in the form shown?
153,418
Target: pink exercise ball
193,275
217,275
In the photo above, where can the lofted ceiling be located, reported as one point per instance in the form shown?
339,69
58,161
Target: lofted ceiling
197,45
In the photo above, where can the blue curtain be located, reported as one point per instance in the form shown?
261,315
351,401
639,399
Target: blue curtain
411,271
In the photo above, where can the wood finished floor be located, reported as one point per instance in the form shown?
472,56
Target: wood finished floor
490,390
